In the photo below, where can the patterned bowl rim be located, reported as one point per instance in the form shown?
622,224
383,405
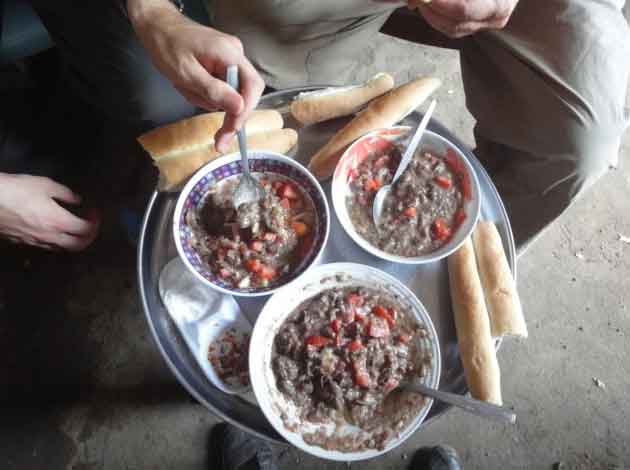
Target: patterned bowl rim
234,158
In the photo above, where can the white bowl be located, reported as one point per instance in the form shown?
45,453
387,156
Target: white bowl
229,166
273,403
382,139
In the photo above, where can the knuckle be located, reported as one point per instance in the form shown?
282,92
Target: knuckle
235,42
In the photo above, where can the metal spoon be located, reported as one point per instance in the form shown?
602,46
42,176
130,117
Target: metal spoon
379,199
249,188
477,407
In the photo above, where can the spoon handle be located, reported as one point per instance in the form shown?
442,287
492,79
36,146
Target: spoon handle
413,143
232,80
477,407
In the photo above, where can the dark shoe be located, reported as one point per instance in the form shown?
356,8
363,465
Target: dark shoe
233,449
436,458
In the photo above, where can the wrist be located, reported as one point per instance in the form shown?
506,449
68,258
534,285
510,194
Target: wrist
144,13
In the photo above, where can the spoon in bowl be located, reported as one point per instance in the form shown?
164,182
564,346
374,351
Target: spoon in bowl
477,407
381,195
249,188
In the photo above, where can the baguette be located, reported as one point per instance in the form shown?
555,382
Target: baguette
197,132
476,346
382,112
176,169
499,288
317,106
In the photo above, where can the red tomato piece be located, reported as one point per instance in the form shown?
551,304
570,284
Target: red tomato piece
355,345
267,273
410,212
382,312
441,230
276,185
443,181
305,247
362,379
403,338
335,325
317,341
285,203
382,161
372,185
465,185
253,265
224,273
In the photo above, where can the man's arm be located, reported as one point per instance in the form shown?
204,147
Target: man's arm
195,59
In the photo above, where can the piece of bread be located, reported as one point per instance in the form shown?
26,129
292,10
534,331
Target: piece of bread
176,169
499,288
384,111
476,346
321,105
197,132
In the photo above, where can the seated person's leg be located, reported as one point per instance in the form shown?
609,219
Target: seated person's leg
548,93
107,64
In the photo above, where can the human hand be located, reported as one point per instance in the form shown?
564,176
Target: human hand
458,18
195,59
29,213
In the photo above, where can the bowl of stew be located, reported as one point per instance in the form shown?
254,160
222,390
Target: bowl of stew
258,247
431,209
327,357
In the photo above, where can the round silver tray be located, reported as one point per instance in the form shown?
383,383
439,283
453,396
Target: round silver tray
429,282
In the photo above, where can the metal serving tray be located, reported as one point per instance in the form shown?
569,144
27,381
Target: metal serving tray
429,282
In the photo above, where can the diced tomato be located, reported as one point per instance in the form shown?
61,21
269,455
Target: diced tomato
288,191
390,385
285,203
359,316
253,265
443,181
382,161
354,299
276,185
300,228
257,245
403,338
454,163
362,379
378,329
460,216
372,185
441,230
382,312
355,345
348,315
224,273
270,237
335,325
267,273
410,212
317,341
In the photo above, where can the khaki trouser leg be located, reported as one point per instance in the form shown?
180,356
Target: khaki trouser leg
548,93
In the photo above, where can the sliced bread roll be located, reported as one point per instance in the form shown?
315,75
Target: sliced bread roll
384,111
317,106
197,133
472,323
499,288
176,169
